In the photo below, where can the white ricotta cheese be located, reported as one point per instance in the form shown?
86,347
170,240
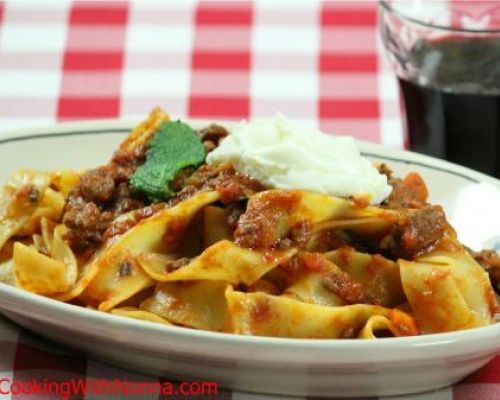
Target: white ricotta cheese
283,155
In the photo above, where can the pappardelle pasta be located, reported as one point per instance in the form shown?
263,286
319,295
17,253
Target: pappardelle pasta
159,234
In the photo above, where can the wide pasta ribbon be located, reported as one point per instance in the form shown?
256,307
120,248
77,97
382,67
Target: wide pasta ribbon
274,215
114,274
224,261
379,276
25,199
262,314
448,290
50,266
195,304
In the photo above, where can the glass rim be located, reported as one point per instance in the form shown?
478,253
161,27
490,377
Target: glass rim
387,7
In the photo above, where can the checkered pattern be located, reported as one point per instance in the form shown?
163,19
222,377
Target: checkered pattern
320,63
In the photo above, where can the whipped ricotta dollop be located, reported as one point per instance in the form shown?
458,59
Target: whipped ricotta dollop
283,155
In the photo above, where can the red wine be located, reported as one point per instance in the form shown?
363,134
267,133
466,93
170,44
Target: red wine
453,107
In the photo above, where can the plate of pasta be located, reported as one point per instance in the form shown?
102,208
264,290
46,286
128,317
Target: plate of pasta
262,255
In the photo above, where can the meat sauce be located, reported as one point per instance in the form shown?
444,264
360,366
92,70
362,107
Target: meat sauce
339,283
174,233
417,232
420,226
103,195
346,288
409,192
232,185
264,221
419,229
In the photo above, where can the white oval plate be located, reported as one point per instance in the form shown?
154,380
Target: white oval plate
266,365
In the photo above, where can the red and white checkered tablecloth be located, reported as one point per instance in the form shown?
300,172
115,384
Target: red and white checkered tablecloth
320,63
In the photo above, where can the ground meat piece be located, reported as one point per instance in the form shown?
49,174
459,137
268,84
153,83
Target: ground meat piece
224,177
124,201
87,221
182,195
127,204
98,185
232,185
231,191
211,136
102,195
84,222
207,173
342,285
416,232
126,162
409,192
122,174
213,133
148,211
490,261
265,221
180,179
118,228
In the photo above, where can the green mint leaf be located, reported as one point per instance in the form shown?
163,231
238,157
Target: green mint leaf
174,147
